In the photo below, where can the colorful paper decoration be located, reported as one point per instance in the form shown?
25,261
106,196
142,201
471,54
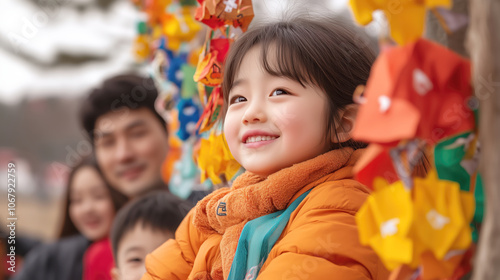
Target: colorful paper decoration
456,158
168,34
141,43
218,13
216,159
179,28
189,113
416,102
442,215
155,9
375,162
415,91
212,110
185,173
174,71
167,90
189,86
425,227
209,69
406,18
384,223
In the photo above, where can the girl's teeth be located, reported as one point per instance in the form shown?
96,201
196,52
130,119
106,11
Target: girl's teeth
259,138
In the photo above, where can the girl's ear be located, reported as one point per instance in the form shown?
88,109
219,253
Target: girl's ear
344,127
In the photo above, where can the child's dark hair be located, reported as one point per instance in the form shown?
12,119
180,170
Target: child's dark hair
326,52
123,91
159,210
68,228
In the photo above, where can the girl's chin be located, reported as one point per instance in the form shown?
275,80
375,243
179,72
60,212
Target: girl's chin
94,236
261,172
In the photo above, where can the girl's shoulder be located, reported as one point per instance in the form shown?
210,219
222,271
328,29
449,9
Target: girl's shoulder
345,195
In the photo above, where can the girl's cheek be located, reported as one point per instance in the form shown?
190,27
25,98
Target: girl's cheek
75,213
106,208
231,135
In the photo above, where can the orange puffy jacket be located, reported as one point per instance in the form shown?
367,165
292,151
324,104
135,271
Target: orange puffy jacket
320,240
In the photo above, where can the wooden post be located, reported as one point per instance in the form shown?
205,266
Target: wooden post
484,47
454,41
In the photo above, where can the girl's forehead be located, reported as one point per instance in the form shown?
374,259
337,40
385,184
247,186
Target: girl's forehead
252,58
87,179
282,59
266,57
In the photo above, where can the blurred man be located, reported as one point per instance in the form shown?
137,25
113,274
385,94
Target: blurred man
129,137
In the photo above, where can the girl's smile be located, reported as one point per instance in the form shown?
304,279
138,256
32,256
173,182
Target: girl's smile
258,138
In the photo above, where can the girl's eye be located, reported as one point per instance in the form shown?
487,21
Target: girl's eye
99,196
237,99
135,260
278,92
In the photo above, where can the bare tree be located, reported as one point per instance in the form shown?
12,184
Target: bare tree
483,44
454,41
482,40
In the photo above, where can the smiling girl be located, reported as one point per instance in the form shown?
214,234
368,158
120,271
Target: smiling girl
288,116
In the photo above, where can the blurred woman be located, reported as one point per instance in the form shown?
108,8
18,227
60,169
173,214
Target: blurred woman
90,207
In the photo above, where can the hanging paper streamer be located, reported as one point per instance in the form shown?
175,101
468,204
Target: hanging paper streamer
185,174
384,223
442,212
430,225
218,13
457,158
209,70
212,110
188,73
406,18
179,28
167,90
415,105
416,91
215,159
189,113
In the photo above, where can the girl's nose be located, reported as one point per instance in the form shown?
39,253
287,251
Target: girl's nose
256,112
88,206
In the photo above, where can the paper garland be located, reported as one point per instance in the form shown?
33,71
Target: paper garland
416,104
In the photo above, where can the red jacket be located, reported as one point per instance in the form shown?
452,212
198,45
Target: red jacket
98,261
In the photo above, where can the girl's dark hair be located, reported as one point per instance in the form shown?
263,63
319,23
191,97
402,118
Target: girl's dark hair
325,52
68,227
159,210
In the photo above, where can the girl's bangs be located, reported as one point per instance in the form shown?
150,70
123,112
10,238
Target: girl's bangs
282,57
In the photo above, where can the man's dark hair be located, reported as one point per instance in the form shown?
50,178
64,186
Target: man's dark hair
159,210
129,91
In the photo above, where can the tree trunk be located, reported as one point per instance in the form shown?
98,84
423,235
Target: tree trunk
454,41
484,44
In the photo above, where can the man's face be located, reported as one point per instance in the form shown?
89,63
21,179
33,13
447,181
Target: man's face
130,146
